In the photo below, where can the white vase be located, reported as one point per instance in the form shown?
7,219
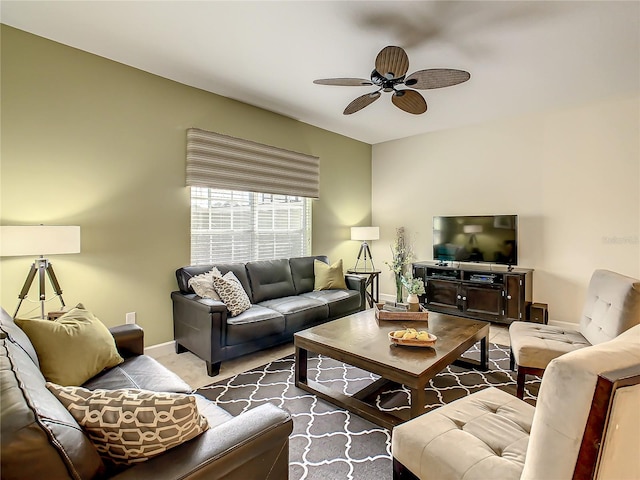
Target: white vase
412,300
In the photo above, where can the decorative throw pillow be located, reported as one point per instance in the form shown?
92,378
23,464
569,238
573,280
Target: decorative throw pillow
73,348
231,292
203,284
130,426
328,277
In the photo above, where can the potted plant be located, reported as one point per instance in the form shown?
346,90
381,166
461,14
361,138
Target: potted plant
401,256
415,287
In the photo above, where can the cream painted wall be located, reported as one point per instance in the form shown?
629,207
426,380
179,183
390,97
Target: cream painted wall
90,142
572,176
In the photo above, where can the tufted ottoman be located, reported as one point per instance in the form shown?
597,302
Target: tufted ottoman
492,425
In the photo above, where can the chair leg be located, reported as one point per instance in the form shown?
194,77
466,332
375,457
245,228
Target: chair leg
520,383
512,361
400,472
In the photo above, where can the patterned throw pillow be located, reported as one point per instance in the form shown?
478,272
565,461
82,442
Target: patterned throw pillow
230,290
203,284
130,426
328,277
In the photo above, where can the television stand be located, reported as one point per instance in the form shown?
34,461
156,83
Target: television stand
492,293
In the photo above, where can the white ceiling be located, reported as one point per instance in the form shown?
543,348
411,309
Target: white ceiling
523,56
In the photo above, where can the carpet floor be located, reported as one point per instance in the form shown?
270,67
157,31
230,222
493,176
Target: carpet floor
330,443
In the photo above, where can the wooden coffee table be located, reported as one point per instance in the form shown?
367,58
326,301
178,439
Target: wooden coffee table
362,341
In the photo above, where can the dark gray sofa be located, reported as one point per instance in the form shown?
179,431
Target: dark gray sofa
39,438
282,302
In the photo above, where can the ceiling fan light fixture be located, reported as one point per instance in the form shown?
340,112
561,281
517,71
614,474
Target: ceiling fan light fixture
391,66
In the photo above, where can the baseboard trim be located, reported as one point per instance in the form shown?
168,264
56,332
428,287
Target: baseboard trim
160,349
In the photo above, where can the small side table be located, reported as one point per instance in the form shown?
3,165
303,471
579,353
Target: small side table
371,285
57,313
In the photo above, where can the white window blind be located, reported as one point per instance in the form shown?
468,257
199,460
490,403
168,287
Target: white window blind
235,226
220,161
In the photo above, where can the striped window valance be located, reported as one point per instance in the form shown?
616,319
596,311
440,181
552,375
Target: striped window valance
220,161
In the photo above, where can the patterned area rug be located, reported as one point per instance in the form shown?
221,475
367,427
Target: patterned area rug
329,443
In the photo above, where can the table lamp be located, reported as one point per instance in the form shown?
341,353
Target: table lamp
39,240
364,234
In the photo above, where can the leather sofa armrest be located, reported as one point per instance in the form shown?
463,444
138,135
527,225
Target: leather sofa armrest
129,339
357,282
200,325
254,444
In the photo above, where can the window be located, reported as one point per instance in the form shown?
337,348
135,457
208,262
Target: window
232,226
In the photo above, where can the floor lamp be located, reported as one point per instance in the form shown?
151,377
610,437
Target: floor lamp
40,240
364,234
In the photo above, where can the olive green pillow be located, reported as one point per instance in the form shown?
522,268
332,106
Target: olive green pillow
328,277
73,348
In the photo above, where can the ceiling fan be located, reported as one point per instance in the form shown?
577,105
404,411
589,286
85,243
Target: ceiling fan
390,72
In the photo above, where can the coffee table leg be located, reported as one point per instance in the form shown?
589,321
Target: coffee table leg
484,353
301,366
418,401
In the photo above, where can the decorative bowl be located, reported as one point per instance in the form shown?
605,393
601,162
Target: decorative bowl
413,342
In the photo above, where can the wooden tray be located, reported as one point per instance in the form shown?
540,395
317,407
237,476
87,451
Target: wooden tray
404,316
412,342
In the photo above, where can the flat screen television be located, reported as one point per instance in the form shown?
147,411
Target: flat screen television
481,238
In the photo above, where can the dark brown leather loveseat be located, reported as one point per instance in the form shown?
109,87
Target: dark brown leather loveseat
283,301
41,440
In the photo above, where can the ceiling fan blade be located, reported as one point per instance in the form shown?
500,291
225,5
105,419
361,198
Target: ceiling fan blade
436,78
361,102
343,82
392,62
410,101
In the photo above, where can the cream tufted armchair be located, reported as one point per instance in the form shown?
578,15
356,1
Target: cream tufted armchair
585,425
612,306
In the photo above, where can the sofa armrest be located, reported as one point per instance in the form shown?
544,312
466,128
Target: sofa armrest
129,339
357,282
200,326
254,444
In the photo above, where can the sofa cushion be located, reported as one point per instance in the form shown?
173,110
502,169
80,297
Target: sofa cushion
142,372
299,311
477,437
328,277
255,323
131,426
213,413
73,348
340,302
302,272
564,402
203,284
270,279
40,438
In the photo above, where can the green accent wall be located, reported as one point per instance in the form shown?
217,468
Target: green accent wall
91,142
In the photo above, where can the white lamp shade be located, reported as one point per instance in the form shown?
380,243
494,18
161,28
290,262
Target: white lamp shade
39,240
365,233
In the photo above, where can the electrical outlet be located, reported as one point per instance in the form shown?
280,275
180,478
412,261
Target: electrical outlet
130,317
